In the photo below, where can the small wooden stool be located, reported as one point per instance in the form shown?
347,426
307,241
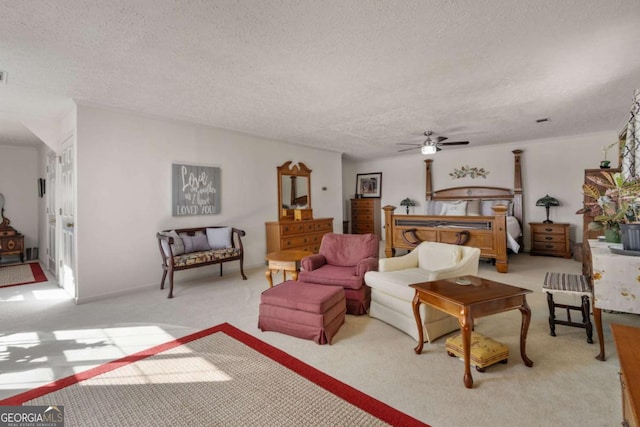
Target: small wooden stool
484,352
570,284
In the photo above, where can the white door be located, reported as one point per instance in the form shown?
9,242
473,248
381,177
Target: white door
50,192
66,217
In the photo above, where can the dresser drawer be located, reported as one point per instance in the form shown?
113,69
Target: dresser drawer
548,238
365,216
549,229
324,225
293,228
299,241
548,247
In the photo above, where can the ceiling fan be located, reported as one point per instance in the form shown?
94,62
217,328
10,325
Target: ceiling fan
431,145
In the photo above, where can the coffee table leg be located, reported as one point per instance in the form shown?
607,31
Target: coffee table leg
597,317
416,315
466,324
526,319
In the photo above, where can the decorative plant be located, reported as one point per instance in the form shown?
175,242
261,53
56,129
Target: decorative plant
407,202
605,163
618,203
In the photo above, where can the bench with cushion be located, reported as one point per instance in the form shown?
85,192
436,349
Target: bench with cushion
186,248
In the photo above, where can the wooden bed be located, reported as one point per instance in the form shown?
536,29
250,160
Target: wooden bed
489,233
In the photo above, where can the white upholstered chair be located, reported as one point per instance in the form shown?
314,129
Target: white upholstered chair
391,295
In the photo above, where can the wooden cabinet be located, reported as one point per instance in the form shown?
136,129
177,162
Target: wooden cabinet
550,239
627,339
304,234
365,216
11,243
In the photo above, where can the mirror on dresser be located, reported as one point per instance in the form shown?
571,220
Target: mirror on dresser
294,190
296,227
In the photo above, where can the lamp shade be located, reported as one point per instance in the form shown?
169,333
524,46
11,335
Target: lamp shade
547,201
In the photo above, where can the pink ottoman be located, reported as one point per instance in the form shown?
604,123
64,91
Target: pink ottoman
303,310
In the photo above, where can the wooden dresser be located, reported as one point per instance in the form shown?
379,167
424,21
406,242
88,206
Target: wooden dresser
303,234
627,339
550,239
365,216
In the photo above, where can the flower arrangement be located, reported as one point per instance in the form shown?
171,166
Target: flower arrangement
617,203
407,202
604,164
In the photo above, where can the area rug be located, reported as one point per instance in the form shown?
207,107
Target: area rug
23,274
218,376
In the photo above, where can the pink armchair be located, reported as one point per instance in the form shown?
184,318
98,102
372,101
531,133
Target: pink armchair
343,260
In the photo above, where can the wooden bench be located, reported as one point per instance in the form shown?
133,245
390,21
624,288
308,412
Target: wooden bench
195,250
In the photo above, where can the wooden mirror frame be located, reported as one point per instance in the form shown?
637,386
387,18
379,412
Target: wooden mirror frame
292,171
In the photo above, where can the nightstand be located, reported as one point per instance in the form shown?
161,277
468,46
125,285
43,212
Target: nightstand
550,239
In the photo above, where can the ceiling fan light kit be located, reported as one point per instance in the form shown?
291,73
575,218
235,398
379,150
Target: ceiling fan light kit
430,146
428,149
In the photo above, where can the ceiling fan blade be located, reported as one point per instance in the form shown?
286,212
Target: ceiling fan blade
454,143
442,138
438,148
407,149
409,143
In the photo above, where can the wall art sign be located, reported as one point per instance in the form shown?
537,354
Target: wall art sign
468,171
196,190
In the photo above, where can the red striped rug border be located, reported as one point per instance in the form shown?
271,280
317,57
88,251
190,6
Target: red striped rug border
36,270
357,398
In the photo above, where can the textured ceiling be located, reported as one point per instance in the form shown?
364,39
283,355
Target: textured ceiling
350,76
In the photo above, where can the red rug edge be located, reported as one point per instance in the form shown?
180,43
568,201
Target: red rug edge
357,398
36,270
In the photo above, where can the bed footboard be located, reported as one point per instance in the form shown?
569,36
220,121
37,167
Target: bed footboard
488,233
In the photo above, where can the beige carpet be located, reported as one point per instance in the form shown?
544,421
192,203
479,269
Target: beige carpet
46,337
214,380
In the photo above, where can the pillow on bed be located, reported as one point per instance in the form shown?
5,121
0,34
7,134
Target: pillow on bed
485,207
432,207
473,207
458,208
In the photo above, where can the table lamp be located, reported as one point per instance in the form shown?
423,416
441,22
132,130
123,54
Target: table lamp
547,201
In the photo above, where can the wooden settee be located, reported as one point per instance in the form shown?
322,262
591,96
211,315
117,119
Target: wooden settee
186,248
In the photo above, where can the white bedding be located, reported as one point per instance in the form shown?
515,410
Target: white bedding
513,232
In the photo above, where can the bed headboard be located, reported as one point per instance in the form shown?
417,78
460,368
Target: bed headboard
484,193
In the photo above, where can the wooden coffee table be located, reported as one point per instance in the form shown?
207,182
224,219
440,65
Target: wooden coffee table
478,298
286,260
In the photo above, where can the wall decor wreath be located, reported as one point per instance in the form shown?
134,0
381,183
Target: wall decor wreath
469,171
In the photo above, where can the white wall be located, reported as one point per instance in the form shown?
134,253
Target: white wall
552,166
19,185
124,193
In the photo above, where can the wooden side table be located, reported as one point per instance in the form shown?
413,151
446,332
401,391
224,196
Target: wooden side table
287,260
550,239
468,298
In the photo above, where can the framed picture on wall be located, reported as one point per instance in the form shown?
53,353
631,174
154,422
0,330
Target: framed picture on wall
369,184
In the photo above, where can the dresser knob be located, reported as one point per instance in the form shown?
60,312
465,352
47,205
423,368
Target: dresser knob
549,238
